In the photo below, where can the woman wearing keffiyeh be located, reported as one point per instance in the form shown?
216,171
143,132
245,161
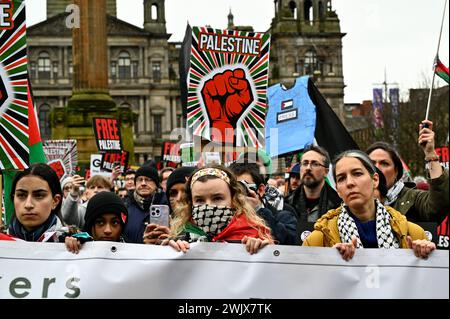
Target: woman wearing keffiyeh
362,221
214,209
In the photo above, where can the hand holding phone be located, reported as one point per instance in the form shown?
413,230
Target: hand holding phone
159,215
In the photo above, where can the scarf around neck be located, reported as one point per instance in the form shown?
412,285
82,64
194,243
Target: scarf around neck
393,192
16,229
385,236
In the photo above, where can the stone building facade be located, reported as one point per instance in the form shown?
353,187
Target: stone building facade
143,64
307,40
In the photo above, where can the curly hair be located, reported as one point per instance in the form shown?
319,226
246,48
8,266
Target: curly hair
183,212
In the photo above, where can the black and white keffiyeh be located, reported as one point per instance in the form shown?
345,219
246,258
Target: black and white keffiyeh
212,219
273,197
385,236
393,192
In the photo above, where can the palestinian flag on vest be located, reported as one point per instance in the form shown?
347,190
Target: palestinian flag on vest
300,116
441,70
20,139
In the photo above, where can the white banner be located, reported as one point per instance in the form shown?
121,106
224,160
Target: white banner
214,270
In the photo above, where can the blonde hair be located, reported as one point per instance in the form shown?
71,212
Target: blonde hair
183,212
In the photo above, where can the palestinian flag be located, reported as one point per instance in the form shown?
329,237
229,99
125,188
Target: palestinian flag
9,237
441,70
20,139
300,116
14,153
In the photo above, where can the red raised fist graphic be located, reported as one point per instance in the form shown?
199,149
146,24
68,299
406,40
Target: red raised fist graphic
226,96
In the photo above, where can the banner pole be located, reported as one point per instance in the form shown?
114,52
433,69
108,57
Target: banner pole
435,63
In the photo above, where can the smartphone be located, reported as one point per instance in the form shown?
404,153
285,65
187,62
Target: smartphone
159,215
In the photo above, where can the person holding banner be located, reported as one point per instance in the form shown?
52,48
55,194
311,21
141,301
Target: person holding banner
37,196
417,205
362,221
214,191
282,222
105,219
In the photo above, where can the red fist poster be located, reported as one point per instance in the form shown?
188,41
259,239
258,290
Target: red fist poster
227,86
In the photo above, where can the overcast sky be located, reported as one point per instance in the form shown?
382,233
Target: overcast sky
400,36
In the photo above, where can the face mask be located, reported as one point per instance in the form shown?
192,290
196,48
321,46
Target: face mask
211,218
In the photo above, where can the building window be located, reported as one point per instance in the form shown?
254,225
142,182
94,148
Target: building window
135,66
308,11
33,69
124,65
156,71
113,70
154,11
293,9
55,70
136,124
157,125
44,121
70,69
310,62
44,66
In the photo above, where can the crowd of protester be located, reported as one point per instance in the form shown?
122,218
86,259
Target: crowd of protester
369,206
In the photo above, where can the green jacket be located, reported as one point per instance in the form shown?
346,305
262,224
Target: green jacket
425,206
326,232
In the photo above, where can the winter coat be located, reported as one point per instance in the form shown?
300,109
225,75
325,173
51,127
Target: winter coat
425,206
326,232
138,217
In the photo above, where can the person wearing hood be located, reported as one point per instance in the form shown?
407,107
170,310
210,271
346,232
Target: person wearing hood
105,220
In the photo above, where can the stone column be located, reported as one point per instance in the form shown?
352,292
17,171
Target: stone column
90,96
90,63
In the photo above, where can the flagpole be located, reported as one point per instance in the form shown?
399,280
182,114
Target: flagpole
435,63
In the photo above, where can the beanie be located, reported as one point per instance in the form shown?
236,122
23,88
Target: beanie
149,172
180,175
104,203
65,181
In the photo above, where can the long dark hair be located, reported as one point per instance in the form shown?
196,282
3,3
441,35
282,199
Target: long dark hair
47,174
392,153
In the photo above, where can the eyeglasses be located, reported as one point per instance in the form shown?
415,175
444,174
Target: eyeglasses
313,164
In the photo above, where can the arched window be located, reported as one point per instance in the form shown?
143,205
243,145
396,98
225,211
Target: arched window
310,62
154,12
44,121
124,65
293,9
44,66
156,71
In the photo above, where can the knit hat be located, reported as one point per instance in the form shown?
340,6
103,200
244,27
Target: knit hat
149,172
66,180
104,203
179,176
